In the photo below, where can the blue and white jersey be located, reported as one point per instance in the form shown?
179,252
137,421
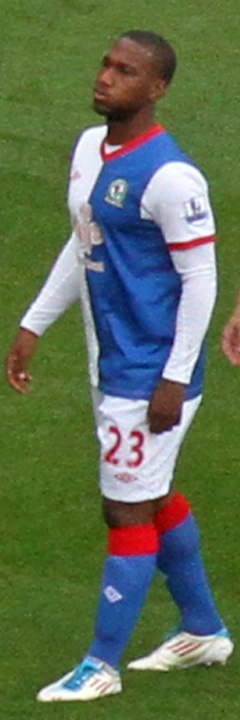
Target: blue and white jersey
130,210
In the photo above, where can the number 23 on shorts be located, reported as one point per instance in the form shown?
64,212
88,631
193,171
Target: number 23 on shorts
136,441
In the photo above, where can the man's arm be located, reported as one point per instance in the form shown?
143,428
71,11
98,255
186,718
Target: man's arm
231,336
177,200
61,289
165,406
197,268
22,351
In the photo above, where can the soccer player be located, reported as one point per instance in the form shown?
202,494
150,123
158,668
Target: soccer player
141,261
231,335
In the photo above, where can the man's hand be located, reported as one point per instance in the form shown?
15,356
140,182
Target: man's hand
165,406
231,336
17,361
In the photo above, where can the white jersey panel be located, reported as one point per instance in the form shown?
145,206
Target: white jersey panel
89,326
86,165
177,200
66,283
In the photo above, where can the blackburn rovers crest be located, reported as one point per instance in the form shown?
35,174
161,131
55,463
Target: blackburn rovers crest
117,192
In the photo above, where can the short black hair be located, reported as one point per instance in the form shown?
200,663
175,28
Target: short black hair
164,56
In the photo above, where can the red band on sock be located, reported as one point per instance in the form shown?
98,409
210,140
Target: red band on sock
133,540
173,514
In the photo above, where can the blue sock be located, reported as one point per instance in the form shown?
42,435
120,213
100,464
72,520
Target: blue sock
181,561
125,583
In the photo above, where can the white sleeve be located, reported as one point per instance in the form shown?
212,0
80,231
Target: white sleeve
61,289
177,200
197,267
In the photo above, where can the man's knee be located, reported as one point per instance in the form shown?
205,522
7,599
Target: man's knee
119,514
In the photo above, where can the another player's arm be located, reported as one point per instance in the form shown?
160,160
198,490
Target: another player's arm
61,289
231,336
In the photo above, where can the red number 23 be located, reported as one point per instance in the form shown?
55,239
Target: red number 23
136,457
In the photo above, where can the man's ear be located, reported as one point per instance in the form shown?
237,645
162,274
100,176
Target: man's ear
158,89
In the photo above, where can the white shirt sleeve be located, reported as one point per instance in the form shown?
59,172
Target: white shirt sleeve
61,289
197,267
177,200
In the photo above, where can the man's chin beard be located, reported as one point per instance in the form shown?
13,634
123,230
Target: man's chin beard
113,115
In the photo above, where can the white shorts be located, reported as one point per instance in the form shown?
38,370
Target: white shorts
136,465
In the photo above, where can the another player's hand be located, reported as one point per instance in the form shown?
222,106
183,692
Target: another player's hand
231,338
165,407
17,361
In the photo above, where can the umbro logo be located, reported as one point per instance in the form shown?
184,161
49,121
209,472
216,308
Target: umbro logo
112,594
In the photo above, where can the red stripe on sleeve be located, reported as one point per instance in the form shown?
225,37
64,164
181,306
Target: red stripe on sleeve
192,243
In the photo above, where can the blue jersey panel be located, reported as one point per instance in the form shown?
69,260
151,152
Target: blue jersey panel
135,299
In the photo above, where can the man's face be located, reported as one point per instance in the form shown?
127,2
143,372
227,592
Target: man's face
127,80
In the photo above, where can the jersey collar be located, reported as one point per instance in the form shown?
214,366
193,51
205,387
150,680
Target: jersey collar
131,144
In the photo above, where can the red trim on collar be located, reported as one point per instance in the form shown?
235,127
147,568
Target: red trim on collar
131,144
192,243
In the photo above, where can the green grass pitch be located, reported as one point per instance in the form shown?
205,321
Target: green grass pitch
52,535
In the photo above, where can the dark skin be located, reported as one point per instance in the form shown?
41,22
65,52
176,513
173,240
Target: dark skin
127,88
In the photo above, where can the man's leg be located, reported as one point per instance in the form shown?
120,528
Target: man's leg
201,637
128,571
181,562
127,575
132,548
